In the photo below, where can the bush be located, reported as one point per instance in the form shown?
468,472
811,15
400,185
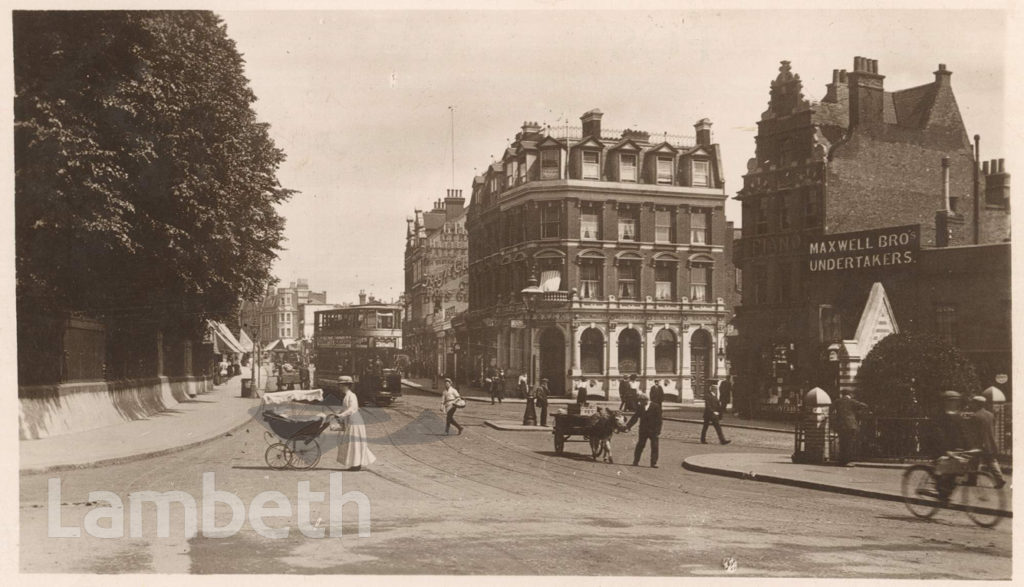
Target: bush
906,373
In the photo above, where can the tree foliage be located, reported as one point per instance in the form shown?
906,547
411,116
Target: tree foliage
908,366
143,180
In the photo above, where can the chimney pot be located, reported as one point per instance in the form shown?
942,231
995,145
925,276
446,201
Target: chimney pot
984,167
1001,166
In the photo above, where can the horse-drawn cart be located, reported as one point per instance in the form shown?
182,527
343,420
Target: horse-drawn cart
594,428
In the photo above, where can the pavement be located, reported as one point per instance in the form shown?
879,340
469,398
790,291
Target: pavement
191,423
223,410
878,481
872,480
690,411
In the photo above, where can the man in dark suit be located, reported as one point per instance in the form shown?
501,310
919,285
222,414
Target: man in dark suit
847,426
542,401
981,435
656,391
712,414
649,416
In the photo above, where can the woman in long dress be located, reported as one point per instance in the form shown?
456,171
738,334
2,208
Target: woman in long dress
354,450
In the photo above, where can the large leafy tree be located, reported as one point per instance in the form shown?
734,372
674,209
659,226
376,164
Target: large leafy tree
143,180
907,372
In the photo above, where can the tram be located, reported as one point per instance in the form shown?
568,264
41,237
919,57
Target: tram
365,343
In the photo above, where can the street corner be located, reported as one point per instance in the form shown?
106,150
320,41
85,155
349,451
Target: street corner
512,425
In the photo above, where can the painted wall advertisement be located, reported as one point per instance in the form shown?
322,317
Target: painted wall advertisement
869,249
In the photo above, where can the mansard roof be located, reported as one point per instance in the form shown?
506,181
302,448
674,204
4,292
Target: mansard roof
625,145
548,142
589,142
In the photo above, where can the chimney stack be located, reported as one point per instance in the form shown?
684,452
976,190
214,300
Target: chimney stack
703,127
592,123
362,297
454,204
997,183
866,92
942,75
945,184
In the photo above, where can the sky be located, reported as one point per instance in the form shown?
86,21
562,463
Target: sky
364,103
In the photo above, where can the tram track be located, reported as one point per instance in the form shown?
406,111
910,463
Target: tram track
609,481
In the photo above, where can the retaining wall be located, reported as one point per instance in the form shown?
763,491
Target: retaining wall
51,410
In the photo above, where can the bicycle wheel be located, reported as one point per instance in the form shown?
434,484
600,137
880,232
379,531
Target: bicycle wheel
305,453
277,456
919,489
982,501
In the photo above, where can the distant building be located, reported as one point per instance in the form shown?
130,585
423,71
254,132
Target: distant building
626,235
282,312
436,287
866,187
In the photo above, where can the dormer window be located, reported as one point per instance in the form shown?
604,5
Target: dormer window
664,170
549,164
701,173
627,167
591,165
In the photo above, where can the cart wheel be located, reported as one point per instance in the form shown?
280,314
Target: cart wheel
559,443
277,456
305,454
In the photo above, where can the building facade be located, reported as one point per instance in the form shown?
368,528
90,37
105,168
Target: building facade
866,187
436,287
626,235
282,313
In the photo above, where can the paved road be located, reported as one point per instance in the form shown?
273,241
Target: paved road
494,502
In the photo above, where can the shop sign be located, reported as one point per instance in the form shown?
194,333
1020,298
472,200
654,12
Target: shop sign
517,324
868,249
385,342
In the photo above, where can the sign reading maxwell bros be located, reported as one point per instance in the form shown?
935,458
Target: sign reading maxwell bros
867,249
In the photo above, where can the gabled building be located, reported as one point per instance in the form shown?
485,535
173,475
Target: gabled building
436,287
626,235
866,186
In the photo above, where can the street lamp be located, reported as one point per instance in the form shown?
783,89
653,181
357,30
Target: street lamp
530,294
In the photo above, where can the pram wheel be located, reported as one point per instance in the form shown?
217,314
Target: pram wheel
277,456
303,453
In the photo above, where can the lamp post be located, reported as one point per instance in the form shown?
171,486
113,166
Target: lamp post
530,294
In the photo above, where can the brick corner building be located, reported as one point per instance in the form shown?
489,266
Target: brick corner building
866,187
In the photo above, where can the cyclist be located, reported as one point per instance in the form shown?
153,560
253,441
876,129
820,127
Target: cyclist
951,439
981,428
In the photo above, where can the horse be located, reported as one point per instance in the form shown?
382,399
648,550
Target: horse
604,424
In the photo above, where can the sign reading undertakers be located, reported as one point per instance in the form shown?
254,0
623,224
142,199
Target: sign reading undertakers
868,249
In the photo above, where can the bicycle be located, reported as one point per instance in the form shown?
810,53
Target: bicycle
927,487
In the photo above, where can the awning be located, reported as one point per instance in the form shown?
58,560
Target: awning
282,344
244,341
223,340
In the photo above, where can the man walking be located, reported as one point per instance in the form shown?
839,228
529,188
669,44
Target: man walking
489,382
981,433
542,401
649,415
712,414
847,426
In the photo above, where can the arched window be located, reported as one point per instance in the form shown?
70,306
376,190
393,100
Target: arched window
629,351
665,352
592,351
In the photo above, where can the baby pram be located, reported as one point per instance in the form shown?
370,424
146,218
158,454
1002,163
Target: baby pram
295,423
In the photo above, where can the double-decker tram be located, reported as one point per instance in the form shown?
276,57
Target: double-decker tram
365,343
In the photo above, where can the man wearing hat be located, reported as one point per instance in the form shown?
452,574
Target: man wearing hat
981,433
847,426
542,401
